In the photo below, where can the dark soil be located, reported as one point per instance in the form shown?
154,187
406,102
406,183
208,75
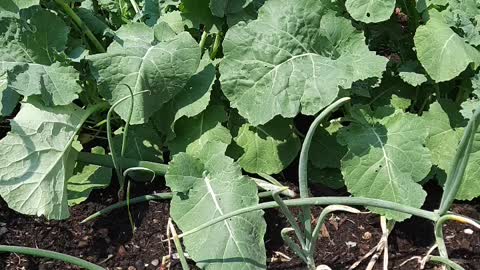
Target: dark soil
345,240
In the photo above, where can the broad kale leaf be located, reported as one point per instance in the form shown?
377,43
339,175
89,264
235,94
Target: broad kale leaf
37,159
163,68
209,184
293,59
28,58
386,158
191,101
442,52
446,130
443,140
470,187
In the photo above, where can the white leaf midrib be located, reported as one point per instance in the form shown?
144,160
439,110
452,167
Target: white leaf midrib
212,193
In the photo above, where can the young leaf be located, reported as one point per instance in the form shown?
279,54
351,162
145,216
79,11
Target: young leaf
207,185
370,11
441,51
273,67
268,149
386,158
164,69
37,159
413,78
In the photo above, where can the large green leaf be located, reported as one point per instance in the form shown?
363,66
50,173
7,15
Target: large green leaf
470,187
220,8
441,51
275,67
163,69
28,57
209,184
37,159
465,16
269,148
443,140
386,158
370,11
445,128
191,101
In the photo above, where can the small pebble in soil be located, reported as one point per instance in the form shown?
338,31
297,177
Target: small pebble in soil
139,265
82,244
351,244
122,252
155,262
3,230
367,236
131,268
468,231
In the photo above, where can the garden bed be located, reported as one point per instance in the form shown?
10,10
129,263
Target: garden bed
239,110
349,237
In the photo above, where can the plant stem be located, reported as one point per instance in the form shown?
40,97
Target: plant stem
82,25
303,165
146,198
321,220
318,201
117,165
460,162
135,6
292,245
446,262
178,246
51,255
291,219
107,161
203,40
216,45
141,199
442,248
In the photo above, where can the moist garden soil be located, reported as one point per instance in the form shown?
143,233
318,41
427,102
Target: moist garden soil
109,242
